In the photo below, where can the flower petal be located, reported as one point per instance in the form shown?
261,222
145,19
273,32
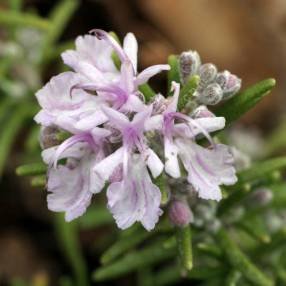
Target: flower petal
171,159
115,117
136,198
106,167
149,72
130,46
207,168
69,191
154,163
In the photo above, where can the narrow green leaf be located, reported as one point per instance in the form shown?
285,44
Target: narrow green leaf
257,171
145,277
31,169
187,91
210,249
171,274
12,126
233,278
173,73
184,243
32,142
261,169
254,229
59,18
123,245
147,91
241,262
238,105
151,255
68,238
96,216
14,18
16,5
39,181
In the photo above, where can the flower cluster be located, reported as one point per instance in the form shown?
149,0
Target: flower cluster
120,141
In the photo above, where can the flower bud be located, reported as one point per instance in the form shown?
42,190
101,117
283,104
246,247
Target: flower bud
48,137
211,95
202,112
180,213
189,64
260,197
241,160
207,73
229,83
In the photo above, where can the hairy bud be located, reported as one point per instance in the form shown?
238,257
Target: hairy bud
189,64
48,137
202,112
229,83
207,74
261,197
180,213
211,95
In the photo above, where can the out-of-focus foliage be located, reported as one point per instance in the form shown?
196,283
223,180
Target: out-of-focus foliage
241,243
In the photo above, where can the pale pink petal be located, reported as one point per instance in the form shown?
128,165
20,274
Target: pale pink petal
115,117
149,72
153,162
172,107
207,168
171,159
105,168
130,46
135,198
154,123
69,191
133,103
76,151
127,77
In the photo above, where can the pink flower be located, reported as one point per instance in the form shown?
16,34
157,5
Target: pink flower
207,168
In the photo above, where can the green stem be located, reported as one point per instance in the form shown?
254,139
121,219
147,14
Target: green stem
184,243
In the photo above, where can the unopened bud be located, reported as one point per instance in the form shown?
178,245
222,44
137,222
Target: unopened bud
202,112
241,160
48,137
229,83
180,213
207,74
189,64
260,197
211,95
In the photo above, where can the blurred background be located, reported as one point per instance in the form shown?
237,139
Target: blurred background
246,37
